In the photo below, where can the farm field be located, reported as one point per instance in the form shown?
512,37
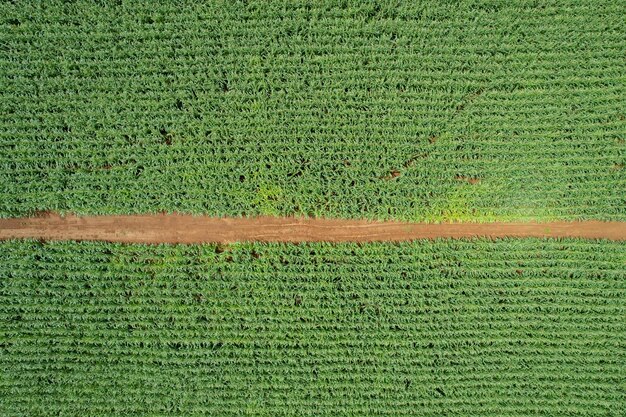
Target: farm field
421,111
513,327
290,208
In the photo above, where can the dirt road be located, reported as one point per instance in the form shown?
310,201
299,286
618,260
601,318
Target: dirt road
176,228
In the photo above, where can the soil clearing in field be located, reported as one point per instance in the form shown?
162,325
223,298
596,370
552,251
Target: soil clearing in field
179,228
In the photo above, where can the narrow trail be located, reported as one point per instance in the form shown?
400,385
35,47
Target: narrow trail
177,228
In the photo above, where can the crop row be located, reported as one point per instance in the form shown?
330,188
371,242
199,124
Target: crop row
421,111
458,327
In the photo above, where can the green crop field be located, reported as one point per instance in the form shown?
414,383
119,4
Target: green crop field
430,328
416,110
433,110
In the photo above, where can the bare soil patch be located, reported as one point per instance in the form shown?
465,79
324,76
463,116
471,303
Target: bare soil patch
179,228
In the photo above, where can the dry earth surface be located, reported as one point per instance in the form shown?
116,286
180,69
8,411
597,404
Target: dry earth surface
178,228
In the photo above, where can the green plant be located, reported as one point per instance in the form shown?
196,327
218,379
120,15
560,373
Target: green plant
427,328
349,109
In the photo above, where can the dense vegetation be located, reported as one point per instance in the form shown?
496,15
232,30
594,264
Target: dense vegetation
421,110
464,328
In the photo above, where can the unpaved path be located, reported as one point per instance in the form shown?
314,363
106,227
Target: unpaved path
177,228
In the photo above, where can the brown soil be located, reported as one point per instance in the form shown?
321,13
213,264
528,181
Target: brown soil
177,228
470,180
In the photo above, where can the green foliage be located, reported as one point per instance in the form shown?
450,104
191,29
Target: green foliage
350,108
429,328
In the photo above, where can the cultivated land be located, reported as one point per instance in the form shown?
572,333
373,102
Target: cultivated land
318,118
450,327
166,228
421,111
